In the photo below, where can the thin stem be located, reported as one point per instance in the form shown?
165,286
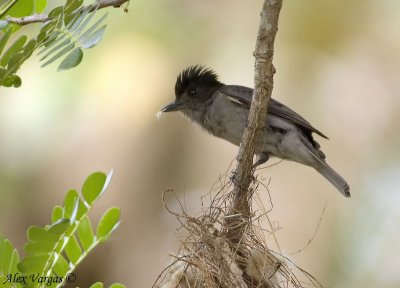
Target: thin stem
263,79
35,18
41,18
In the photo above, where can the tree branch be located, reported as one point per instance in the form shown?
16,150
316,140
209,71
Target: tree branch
108,3
263,80
35,18
41,18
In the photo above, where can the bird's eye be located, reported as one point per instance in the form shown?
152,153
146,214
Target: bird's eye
192,93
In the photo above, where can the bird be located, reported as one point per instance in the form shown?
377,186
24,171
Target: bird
222,110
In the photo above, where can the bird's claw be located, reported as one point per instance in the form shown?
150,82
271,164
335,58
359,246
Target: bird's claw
232,178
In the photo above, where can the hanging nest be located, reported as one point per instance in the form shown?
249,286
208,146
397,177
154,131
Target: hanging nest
207,258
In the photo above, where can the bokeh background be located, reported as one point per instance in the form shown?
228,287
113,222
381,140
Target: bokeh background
337,65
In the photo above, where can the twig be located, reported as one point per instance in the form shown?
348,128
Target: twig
41,18
263,79
108,3
35,18
315,232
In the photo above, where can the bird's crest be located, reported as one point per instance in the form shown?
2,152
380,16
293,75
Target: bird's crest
195,74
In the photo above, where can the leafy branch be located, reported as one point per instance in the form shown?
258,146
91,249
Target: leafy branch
66,30
41,18
54,251
61,38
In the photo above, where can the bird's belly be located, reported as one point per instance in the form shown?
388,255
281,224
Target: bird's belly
289,145
228,125
231,132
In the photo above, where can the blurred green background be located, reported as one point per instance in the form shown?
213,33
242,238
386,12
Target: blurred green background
337,65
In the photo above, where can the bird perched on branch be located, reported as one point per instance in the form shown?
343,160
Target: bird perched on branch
222,110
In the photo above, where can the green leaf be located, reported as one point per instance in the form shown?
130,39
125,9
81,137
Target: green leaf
73,250
56,12
100,285
21,8
49,40
3,24
56,250
72,5
61,267
45,32
117,285
4,39
15,62
60,54
48,27
89,31
29,48
69,18
108,223
13,49
59,227
38,234
75,211
97,285
85,233
42,37
12,80
38,248
14,262
33,264
54,49
94,186
94,38
6,254
58,213
40,5
69,202
8,262
77,21
72,60
68,32
82,22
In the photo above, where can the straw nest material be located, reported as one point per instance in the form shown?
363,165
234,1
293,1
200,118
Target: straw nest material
207,258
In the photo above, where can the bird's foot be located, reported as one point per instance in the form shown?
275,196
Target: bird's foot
262,158
232,178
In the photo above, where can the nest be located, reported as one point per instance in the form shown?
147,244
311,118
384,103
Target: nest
208,258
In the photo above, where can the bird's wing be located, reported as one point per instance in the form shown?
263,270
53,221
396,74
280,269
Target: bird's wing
243,95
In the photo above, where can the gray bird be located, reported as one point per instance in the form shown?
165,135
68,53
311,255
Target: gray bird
222,110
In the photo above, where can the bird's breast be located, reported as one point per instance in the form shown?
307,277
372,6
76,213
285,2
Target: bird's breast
225,120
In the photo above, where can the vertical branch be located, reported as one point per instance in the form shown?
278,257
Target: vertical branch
263,80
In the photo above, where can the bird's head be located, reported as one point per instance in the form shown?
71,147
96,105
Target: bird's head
194,86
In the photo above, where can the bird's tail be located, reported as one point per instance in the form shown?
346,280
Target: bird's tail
332,176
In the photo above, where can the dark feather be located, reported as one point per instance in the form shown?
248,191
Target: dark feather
195,75
244,95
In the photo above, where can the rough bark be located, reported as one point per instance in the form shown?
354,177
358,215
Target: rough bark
263,80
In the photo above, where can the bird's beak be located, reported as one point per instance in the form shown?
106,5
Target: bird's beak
174,106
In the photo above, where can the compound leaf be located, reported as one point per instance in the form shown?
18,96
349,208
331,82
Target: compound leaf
72,60
108,223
